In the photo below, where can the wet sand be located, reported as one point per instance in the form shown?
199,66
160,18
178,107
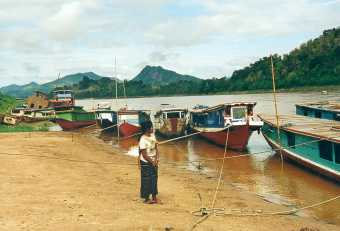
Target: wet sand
78,182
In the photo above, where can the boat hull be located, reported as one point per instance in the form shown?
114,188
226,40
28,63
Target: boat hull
316,168
67,125
237,139
106,124
127,129
171,128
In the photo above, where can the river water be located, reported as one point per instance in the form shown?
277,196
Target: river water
262,174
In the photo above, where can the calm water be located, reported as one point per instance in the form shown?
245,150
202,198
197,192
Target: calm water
261,174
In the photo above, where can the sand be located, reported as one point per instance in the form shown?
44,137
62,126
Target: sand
80,183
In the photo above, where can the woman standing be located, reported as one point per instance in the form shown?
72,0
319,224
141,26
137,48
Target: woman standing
149,159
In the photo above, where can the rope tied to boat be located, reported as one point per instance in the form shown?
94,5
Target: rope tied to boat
206,212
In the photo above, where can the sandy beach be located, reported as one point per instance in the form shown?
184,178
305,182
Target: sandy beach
65,181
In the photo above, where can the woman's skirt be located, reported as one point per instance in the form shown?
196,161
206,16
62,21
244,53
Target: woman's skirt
149,178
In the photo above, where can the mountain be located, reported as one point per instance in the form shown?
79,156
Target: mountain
158,76
22,91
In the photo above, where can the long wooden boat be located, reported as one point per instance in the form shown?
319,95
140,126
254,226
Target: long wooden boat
129,121
235,120
324,110
171,122
32,115
73,117
310,142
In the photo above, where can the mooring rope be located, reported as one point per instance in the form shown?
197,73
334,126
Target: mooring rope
205,216
104,129
179,138
222,212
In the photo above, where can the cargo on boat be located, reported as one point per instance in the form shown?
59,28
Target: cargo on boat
233,120
310,142
10,120
171,122
74,117
129,121
324,110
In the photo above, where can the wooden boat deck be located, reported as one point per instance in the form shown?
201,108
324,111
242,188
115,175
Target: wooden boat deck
333,106
319,128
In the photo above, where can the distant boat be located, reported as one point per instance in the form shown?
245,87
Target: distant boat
310,142
129,121
74,117
215,122
62,98
324,110
171,122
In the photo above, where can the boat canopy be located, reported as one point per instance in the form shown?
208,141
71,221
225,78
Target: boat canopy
204,109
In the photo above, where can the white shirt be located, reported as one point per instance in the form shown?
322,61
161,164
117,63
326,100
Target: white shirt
149,144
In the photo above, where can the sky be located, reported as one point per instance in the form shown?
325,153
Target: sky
206,38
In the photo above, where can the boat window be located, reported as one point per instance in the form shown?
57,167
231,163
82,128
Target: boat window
336,116
291,139
337,153
326,150
318,114
305,112
173,115
239,112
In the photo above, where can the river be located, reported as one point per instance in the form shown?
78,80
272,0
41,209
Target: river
261,174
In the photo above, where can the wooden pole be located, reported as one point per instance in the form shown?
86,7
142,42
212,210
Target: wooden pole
276,111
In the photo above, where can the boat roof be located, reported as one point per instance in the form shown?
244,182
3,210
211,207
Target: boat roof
314,127
203,108
62,91
333,106
172,109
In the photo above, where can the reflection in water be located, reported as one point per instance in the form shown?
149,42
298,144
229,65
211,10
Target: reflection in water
261,173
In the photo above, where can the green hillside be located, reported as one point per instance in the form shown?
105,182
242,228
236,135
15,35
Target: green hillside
22,91
6,103
314,63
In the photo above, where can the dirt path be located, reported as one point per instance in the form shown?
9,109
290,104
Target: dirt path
55,193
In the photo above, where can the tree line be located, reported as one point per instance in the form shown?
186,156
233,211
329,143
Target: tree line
314,63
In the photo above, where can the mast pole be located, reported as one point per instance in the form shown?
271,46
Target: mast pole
117,97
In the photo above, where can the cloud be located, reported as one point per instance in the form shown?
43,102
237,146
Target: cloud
205,38
69,21
234,19
161,56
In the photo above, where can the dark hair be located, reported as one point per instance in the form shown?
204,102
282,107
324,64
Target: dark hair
146,126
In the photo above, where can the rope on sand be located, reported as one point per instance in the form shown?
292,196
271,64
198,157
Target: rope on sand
221,211
205,213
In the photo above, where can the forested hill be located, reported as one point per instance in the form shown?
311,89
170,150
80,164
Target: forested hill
314,63
157,76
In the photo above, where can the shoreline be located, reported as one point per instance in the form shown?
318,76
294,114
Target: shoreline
72,181
307,89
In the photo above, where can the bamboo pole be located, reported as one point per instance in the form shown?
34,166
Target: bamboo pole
276,111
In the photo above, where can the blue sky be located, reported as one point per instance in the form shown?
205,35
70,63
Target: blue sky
204,38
